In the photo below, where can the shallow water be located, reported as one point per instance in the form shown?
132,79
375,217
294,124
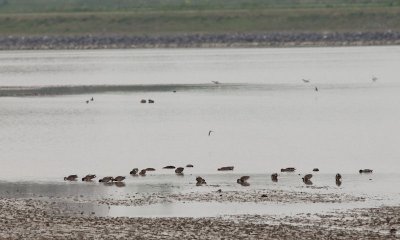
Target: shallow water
377,189
263,116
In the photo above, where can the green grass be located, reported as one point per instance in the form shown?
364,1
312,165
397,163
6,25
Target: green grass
150,17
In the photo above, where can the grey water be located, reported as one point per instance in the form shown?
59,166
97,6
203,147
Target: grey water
80,197
263,116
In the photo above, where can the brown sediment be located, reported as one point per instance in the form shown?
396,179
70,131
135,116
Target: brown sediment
35,219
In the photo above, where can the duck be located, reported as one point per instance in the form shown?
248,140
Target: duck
288,169
169,167
200,181
134,171
365,170
88,177
338,177
118,179
229,168
151,101
150,169
142,172
71,178
307,179
274,177
143,101
316,170
243,180
106,179
189,165
179,170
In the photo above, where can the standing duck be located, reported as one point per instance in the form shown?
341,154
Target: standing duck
274,177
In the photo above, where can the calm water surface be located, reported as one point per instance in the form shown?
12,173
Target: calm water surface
262,114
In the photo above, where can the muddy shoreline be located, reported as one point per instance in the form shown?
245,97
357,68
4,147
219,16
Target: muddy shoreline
50,217
22,218
233,40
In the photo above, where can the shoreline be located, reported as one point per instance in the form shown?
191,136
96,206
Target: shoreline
35,218
230,40
118,211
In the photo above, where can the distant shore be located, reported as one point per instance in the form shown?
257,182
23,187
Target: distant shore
278,39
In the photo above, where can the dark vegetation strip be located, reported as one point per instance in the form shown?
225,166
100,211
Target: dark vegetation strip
201,40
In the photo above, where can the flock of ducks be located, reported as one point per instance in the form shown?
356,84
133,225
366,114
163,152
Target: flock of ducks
201,181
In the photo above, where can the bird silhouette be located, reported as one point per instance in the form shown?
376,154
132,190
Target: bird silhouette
209,132
305,80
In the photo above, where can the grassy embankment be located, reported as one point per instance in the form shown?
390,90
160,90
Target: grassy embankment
154,17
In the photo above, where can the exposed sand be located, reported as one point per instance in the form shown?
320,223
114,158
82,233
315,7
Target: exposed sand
256,196
41,218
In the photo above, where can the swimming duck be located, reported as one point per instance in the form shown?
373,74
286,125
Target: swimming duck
71,178
306,179
169,167
365,170
288,169
142,172
179,170
106,179
134,171
200,181
229,168
119,179
88,177
243,181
